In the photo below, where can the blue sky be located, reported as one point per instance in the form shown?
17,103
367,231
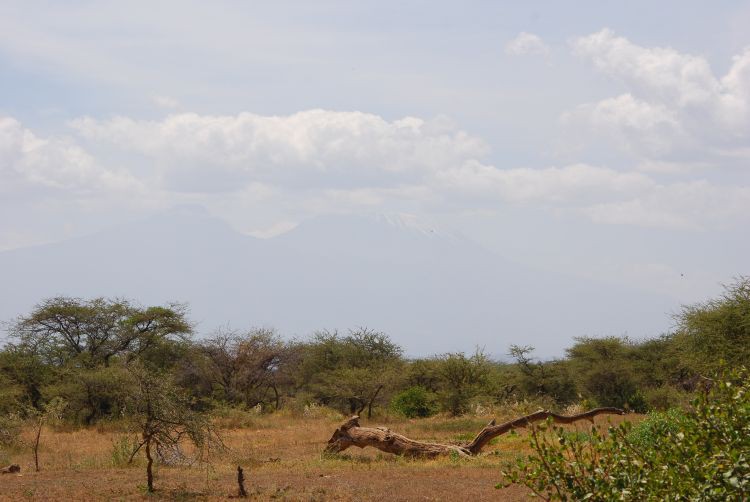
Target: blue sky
608,140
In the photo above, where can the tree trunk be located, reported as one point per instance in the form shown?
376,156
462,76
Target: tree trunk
149,465
352,434
241,493
276,397
36,444
372,400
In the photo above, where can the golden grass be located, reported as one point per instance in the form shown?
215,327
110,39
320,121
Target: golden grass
282,458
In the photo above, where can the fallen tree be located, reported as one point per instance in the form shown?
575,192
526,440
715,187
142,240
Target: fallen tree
350,433
10,469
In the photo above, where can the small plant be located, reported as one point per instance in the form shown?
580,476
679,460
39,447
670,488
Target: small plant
415,402
160,413
10,430
657,425
49,412
701,455
122,450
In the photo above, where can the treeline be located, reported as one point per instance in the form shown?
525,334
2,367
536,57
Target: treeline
81,351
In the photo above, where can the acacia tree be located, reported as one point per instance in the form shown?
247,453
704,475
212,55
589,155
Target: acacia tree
604,369
540,378
77,341
462,378
38,418
353,371
717,331
93,332
161,414
247,368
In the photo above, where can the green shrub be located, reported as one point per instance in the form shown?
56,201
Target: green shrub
415,402
700,455
10,429
657,425
122,450
665,397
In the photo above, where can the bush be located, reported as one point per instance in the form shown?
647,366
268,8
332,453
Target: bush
666,397
122,450
701,455
10,429
415,402
658,424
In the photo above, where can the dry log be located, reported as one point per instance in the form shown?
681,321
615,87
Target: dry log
350,433
241,492
491,430
10,469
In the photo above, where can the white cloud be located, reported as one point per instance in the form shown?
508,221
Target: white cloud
52,163
675,107
633,124
526,43
315,147
277,228
683,205
165,102
574,185
605,195
264,173
660,73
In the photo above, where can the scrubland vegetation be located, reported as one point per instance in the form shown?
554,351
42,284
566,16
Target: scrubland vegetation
104,390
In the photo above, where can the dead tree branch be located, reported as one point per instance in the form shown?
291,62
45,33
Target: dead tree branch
350,433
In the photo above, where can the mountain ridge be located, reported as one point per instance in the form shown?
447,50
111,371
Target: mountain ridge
430,291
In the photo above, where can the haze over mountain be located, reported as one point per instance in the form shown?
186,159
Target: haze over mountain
432,291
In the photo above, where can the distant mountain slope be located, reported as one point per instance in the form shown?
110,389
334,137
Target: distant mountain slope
430,290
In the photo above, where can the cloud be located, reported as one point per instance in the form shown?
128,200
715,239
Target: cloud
675,106
324,148
265,173
657,73
693,205
574,185
54,163
604,195
165,102
651,129
526,43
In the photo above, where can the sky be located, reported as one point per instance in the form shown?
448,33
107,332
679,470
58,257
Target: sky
610,141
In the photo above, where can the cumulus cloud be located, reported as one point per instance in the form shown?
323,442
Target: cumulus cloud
315,147
53,163
605,195
574,185
263,172
635,125
165,102
675,105
658,73
526,43
683,205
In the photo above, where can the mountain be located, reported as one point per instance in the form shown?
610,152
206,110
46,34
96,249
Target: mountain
431,291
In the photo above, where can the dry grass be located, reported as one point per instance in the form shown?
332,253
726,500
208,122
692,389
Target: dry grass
282,459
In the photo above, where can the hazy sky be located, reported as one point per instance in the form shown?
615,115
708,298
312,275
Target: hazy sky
606,141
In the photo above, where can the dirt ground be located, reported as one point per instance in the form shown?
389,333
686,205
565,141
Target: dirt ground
282,459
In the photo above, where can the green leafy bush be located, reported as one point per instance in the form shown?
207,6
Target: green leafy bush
122,451
10,429
700,455
665,397
415,402
658,424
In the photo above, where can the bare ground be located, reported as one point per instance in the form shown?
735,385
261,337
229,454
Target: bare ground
282,459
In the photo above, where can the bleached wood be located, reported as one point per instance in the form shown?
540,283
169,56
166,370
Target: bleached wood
351,433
